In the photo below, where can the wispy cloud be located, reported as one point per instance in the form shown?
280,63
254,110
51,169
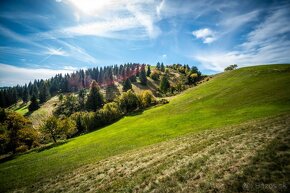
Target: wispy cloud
103,29
13,51
16,37
267,43
12,75
234,21
73,51
57,52
111,18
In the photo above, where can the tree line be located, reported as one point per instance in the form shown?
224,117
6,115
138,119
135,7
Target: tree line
42,90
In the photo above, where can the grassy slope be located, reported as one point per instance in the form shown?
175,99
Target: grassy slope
41,114
229,98
231,159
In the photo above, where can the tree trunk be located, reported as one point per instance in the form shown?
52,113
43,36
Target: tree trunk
53,137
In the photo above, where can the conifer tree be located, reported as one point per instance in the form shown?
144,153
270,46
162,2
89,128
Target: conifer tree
158,66
127,85
35,91
148,71
162,67
81,98
95,98
25,97
164,84
34,104
142,75
44,94
2,99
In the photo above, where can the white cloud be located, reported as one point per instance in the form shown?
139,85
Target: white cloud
275,25
160,8
111,18
12,75
267,43
206,34
70,68
164,56
57,52
104,29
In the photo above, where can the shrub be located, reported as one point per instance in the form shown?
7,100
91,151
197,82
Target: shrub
84,121
128,101
147,98
15,130
22,148
109,113
163,101
155,75
67,127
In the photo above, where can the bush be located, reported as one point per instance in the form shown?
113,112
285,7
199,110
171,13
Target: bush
15,130
110,112
67,127
163,101
84,121
155,75
146,98
22,148
128,101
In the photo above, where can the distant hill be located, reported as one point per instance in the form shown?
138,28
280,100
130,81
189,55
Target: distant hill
213,113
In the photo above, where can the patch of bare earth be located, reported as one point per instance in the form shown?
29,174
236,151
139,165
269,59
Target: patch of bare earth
201,162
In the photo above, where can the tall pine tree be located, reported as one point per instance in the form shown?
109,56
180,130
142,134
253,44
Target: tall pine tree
164,84
25,96
34,104
142,75
95,98
44,94
158,66
162,67
148,70
127,85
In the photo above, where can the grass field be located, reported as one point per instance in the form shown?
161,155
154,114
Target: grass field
232,159
228,99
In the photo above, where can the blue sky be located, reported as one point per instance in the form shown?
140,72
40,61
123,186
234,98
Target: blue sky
41,38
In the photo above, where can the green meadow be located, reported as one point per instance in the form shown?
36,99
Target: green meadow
229,98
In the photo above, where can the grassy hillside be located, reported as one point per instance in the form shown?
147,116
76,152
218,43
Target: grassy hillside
40,115
232,159
229,98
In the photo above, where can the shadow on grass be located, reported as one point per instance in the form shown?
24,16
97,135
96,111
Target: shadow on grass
49,146
28,113
11,156
268,171
21,106
134,113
